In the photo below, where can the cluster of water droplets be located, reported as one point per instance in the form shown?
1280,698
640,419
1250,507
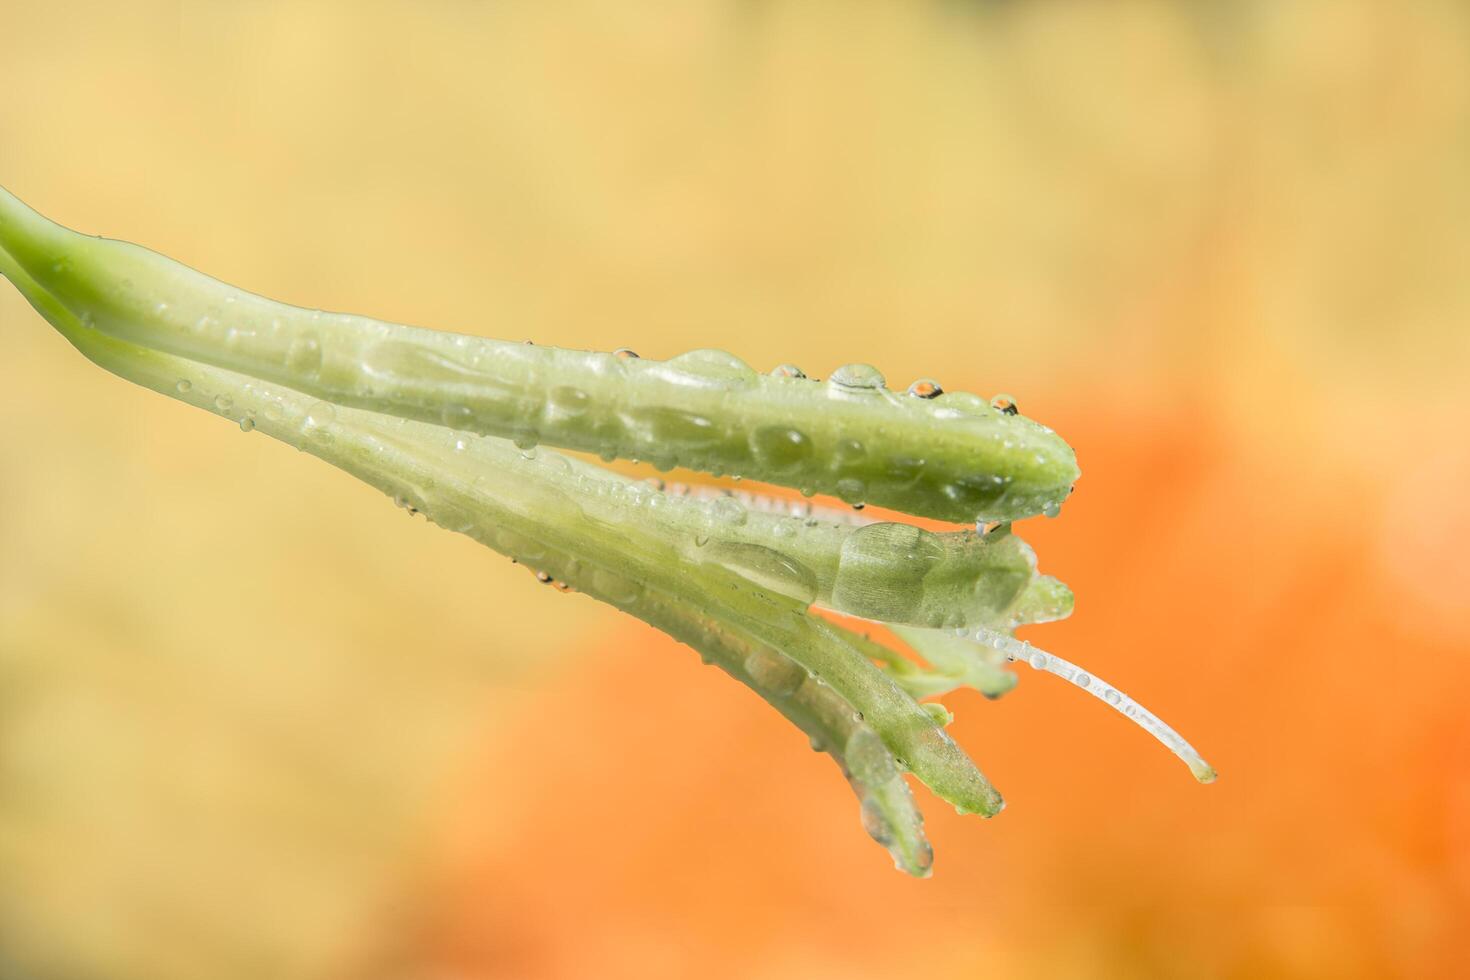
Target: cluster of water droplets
802,512
531,395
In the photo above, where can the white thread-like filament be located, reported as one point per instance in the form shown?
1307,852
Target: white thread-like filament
1039,659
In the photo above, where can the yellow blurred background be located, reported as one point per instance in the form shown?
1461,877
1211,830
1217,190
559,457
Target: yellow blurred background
254,723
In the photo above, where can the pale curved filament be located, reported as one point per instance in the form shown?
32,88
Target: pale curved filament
1039,659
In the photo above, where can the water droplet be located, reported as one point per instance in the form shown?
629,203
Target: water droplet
867,758
1052,509
1037,661
875,823
847,453
273,412
881,571
544,578
780,447
662,431
524,441
727,510
247,423
926,388
223,402
455,416
858,377
615,587
183,386
1082,680
1112,697
569,401
852,491
626,353
765,567
774,673
321,414
1005,404
304,356
787,371
705,368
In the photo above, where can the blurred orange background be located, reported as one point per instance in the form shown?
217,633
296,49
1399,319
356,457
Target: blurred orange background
254,723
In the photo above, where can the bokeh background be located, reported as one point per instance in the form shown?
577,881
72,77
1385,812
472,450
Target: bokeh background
255,723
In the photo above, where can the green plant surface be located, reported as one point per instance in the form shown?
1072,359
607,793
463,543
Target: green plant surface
456,428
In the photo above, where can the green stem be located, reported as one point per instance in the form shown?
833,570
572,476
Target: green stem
731,575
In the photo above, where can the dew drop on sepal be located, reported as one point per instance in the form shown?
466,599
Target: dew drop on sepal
569,401
857,377
765,567
867,758
304,356
321,414
852,491
848,453
705,368
728,510
926,388
775,674
780,447
615,587
875,823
